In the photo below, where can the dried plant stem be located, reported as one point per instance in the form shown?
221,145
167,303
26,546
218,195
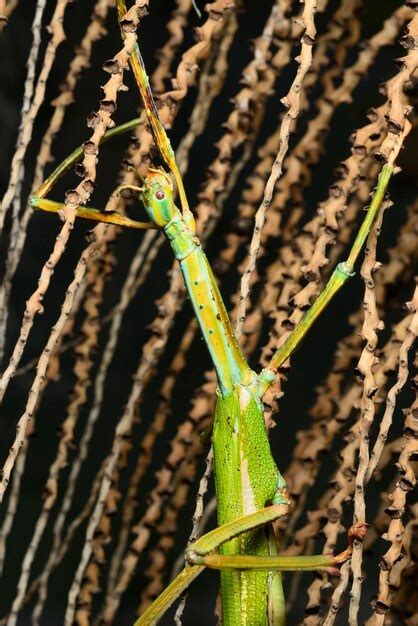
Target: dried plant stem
25,133
90,330
398,128
126,296
405,484
12,503
197,519
52,374
27,98
178,469
366,366
175,27
292,102
42,367
338,594
402,377
80,62
100,122
332,406
210,85
146,448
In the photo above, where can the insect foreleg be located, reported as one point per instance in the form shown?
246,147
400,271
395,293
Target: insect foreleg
89,213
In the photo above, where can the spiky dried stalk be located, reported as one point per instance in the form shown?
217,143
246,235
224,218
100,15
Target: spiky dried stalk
406,482
94,32
292,103
100,121
90,330
398,128
57,37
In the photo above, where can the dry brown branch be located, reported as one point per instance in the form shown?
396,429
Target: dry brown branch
128,291
99,121
179,468
89,330
297,176
65,542
12,504
158,556
186,71
398,128
327,420
404,573
95,31
43,365
294,182
402,377
157,569
146,449
27,98
197,519
175,27
366,366
57,37
292,103
52,374
398,498
210,85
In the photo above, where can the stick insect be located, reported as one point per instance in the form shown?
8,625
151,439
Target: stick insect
250,490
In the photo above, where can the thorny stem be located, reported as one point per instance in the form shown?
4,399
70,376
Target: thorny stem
292,102
76,155
58,36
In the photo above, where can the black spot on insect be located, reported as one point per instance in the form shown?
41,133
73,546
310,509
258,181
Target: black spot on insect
160,195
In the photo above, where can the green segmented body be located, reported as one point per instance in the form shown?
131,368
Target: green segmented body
247,478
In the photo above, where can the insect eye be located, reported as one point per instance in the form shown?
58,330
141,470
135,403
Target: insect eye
160,195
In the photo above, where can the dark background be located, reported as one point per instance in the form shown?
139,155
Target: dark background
310,364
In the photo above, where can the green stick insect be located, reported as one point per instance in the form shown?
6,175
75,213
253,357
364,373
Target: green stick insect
250,491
